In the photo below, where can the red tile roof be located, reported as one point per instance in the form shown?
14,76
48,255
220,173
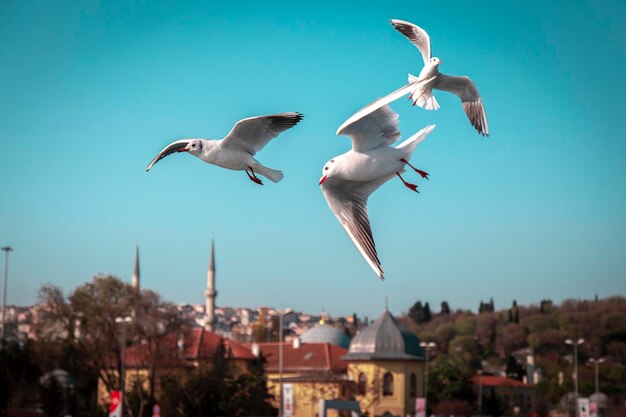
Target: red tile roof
309,357
198,344
498,381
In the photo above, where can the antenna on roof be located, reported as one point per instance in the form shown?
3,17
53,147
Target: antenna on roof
386,303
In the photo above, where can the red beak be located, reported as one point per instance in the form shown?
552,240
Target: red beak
322,180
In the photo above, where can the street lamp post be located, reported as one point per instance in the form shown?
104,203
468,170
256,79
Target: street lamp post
480,392
597,362
427,346
123,321
6,250
280,360
575,343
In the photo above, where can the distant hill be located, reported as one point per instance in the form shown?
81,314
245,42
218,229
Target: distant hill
491,339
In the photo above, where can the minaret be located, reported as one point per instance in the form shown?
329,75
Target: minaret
135,280
210,293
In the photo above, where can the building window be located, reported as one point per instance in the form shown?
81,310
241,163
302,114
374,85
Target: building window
387,384
413,386
362,385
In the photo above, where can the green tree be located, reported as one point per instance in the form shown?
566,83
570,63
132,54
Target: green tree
450,380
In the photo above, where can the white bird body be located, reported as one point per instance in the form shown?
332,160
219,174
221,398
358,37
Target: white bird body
371,165
215,154
430,70
236,151
349,179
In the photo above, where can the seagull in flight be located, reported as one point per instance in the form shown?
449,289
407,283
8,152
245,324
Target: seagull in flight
420,89
236,151
463,87
349,179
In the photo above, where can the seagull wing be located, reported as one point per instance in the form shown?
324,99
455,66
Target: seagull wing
348,201
470,99
372,107
416,35
173,147
252,134
374,130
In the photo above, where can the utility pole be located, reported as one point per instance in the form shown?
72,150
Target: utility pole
6,250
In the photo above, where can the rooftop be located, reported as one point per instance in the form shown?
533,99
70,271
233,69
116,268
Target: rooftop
308,357
385,339
326,333
498,381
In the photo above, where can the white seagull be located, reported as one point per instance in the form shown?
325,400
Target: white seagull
463,87
420,88
349,179
236,151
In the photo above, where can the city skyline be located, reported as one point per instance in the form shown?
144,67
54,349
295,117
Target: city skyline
93,91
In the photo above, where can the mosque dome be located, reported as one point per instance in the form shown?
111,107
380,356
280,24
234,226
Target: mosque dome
325,333
385,339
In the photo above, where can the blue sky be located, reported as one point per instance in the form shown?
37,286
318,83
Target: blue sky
91,91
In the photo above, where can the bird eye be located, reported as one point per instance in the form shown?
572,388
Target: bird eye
193,146
325,168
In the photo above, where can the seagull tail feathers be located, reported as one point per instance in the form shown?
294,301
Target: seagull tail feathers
421,96
410,144
273,175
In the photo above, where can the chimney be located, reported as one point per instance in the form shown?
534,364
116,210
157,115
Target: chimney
296,342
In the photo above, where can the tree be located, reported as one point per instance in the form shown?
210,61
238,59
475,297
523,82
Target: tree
513,369
420,313
450,380
427,314
252,396
79,333
486,307
492,405
445,308
266,328
216,388
19,377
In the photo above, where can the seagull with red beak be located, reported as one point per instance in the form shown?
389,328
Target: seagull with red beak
237,150
349,179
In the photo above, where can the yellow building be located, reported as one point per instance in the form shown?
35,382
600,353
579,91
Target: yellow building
386,363
383,370
310,372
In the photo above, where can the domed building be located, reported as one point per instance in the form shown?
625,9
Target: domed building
325,333
387,364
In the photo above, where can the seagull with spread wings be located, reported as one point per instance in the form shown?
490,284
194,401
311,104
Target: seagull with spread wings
236,151
349,179
420,89
463,87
